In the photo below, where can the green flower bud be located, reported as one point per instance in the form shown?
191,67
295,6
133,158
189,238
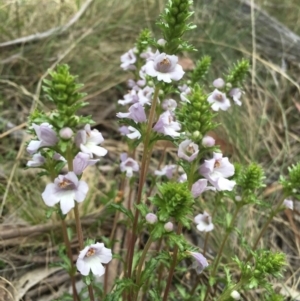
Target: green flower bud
173,23
196,115
196,135
174,11
174,201
201,69
237,73
251,178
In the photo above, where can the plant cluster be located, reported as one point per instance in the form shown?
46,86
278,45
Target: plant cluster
163,103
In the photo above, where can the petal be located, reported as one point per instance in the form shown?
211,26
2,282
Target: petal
97,268
134,135
66,198
216,106
123,115
95,137
149,69
80,138
177,74
33,146
207,167
105,256
224,184
49,195
226,168
123,156
71,176
164,77
83,252
86,150
83,267
202,227
199,187
81,192
97,150
129,172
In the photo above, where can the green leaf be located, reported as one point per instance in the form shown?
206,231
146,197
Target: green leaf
122,209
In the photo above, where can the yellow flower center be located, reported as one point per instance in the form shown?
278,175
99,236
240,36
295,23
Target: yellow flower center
90,252
217,164
165,62
65,183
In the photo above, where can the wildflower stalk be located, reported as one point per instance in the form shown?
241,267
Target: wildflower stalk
78,221
141,262
69,252
112,235
220,253
266,225
145,158
172,269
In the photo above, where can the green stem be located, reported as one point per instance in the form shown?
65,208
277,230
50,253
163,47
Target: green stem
146,156
266,225
195,286
172,269
141,262
226,294
220,252
69,253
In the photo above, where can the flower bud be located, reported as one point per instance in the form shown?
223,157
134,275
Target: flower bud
66,133
238,198
161,42
169,227
196,135
235,295
151,218
218,83
208,141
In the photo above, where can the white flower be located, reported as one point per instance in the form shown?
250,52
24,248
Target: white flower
188,150
37,160
128,165
169,104
91,259
46,136
164,67
128,60
203,222
217,170
218,83
236,94
65,190
87,140
134,133
144,95
218,101
166,171
166,125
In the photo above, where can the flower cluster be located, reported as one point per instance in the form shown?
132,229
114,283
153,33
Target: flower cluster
55,146
219,100
66,189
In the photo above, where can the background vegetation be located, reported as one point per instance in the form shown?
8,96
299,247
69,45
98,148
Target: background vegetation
265,129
